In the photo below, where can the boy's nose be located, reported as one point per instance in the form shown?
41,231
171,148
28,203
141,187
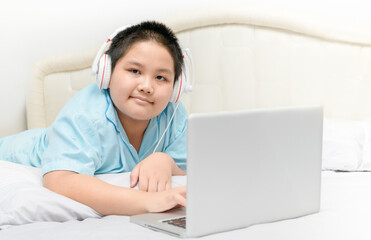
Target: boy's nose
146,85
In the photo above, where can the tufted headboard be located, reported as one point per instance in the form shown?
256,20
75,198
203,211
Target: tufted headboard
245,57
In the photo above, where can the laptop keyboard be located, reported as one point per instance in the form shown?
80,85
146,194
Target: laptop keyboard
179,222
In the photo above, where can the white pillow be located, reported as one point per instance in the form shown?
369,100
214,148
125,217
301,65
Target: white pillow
366,157
346,145
23,199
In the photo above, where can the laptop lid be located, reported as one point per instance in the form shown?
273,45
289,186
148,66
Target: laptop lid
251,167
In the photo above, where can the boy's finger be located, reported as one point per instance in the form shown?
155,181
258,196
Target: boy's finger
134,176
181,200
182,190
168,185
152,186
161,186
143,184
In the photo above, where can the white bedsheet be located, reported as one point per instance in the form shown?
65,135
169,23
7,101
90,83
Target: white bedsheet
345,214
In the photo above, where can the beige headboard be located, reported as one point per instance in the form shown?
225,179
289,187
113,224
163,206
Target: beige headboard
245,57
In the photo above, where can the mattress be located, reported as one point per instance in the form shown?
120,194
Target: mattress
345,213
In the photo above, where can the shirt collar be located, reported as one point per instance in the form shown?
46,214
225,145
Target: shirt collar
150,137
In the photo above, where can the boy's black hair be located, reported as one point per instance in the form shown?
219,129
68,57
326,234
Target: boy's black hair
149,30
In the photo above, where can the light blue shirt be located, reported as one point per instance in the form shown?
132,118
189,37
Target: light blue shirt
88,138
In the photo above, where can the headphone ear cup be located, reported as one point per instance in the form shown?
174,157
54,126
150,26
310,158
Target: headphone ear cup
184,83
104,72
178,89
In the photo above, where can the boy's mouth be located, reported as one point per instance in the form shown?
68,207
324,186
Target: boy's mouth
141,100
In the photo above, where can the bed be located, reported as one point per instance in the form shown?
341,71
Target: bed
245,57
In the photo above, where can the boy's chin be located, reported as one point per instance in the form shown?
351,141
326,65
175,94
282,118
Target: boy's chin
142,117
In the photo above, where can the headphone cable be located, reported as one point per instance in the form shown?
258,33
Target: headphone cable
176,108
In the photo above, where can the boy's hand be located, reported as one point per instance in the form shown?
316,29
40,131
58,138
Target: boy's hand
166,200
153,173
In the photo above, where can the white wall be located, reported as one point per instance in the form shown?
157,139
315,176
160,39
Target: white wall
35,29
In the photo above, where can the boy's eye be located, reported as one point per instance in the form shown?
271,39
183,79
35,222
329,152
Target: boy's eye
161,78
134,71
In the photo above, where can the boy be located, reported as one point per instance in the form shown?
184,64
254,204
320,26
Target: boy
116,130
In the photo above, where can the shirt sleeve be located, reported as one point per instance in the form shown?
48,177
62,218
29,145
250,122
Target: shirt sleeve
177,148
73,145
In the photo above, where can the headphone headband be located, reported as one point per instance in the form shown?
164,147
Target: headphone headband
95,66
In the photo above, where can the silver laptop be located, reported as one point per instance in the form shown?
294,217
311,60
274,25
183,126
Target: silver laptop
245,168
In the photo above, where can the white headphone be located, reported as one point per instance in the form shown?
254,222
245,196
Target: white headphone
102,70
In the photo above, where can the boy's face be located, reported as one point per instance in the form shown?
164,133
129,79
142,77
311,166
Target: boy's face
142,81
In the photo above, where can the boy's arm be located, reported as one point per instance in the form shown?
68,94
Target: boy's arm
108,199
